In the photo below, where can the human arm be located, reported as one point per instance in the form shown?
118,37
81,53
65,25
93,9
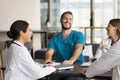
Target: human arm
48,56
103,47
76,53
26,64
98,52
79,41
107,62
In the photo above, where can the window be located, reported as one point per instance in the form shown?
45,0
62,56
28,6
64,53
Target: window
103,11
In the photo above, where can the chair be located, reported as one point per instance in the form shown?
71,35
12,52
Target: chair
40,54
87,52
94,48
2,68
87,58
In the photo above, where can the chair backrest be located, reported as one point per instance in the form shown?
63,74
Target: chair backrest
40,54
8,43
94,48
2,47
87,51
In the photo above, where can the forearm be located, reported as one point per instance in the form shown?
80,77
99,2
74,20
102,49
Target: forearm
77,52
75,56
48,54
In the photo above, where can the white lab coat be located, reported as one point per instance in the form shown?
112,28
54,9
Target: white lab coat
100,51
20,65
110,61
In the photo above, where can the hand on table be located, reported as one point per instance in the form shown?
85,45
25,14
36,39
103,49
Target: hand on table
67,62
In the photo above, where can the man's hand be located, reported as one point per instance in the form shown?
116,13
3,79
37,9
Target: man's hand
67,62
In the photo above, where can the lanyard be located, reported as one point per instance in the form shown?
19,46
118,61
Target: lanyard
17,44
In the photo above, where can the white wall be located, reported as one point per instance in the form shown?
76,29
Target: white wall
12,10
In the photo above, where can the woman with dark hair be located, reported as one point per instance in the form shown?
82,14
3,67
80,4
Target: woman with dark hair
110,61
20,65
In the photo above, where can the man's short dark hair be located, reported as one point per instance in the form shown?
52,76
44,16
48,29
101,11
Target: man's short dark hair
67,12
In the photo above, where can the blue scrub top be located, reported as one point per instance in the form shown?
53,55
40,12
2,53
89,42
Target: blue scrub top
64,47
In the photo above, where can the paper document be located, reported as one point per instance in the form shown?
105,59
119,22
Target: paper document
55,63
63,67
86,64
41,62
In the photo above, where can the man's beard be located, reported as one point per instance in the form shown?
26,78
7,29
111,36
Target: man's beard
66,28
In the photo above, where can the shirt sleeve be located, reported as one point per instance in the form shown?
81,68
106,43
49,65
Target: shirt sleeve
52,43
107,61
99,51
80,38
31,68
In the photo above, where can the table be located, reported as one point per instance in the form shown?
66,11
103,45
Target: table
75,72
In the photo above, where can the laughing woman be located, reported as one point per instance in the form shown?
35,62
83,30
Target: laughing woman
20,65
110,61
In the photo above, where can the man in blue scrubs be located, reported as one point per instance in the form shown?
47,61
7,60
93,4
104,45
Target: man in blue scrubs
68,45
